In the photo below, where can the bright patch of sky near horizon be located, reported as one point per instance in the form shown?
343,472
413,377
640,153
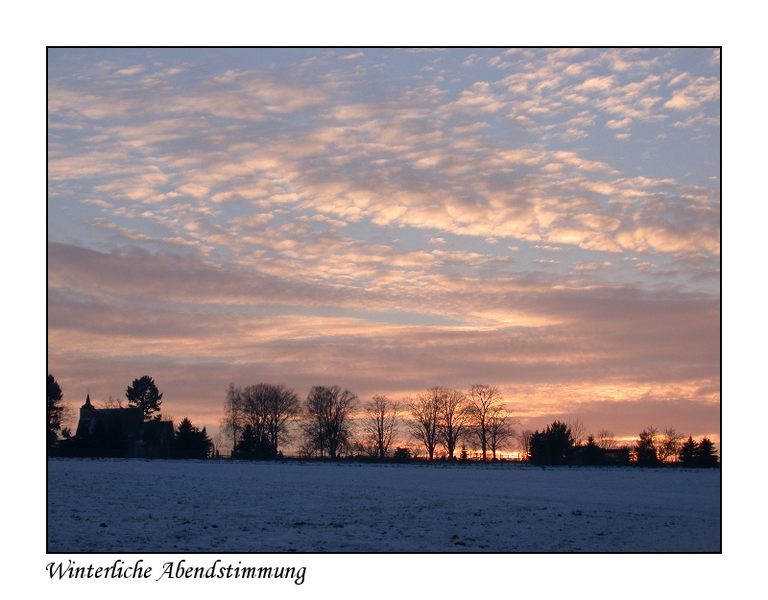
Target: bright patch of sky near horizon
544,220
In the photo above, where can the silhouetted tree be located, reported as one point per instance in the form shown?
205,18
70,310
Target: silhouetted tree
401,455
112,402
553,446
379,425
327,426
605,439
591,453
252,446
688,452
254,400
524,441
282,406
191,442
143,393
54,412
482,400
266,408
669,445
645,447
424,412
232,422
705,454
500,430
453,418
578,430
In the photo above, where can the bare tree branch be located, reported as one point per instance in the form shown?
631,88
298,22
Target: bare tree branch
424,412
499,429
453,419
379,424
327,425
483,399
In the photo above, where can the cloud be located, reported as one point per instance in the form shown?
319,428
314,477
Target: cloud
129,71
593,84
592,266
699,91
618,123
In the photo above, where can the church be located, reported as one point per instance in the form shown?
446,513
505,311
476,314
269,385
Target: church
118,432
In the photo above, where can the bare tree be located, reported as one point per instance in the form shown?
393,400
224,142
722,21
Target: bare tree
578,430
264,407
282,405
482,400
424,412
605,439
453,419
379,424
499,429
255,400
112,402
646,451
327,426
524,440
231,423
669,444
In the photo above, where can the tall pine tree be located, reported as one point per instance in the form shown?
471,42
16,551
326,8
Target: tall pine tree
191,442
688,452
55,409
706,456
143,393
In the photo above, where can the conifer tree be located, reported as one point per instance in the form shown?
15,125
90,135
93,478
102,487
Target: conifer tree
645,447
55,409
553,446
143,393
191,442
253,446
688,452
706,456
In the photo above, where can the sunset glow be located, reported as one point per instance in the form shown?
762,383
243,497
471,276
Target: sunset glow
543,220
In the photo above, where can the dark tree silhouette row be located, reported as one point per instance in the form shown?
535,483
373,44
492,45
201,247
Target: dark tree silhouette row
555,445
257,418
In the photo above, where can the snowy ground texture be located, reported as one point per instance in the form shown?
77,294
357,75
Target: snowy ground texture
228,506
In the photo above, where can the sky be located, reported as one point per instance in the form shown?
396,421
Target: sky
542,220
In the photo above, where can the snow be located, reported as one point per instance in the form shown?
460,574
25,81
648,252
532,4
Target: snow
112,505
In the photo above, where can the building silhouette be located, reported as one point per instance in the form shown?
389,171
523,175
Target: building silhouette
118,432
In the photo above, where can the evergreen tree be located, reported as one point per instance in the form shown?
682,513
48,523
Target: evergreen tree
143,393
55,409
190,442
553,446
592,454
645,448
253,446
688,452
705,455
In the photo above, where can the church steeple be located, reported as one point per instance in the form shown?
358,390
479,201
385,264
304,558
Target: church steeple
87,416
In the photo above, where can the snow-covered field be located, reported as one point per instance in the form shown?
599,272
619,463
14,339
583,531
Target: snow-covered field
176,506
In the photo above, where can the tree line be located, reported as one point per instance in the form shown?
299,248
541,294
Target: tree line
260,420
557,445
332,422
